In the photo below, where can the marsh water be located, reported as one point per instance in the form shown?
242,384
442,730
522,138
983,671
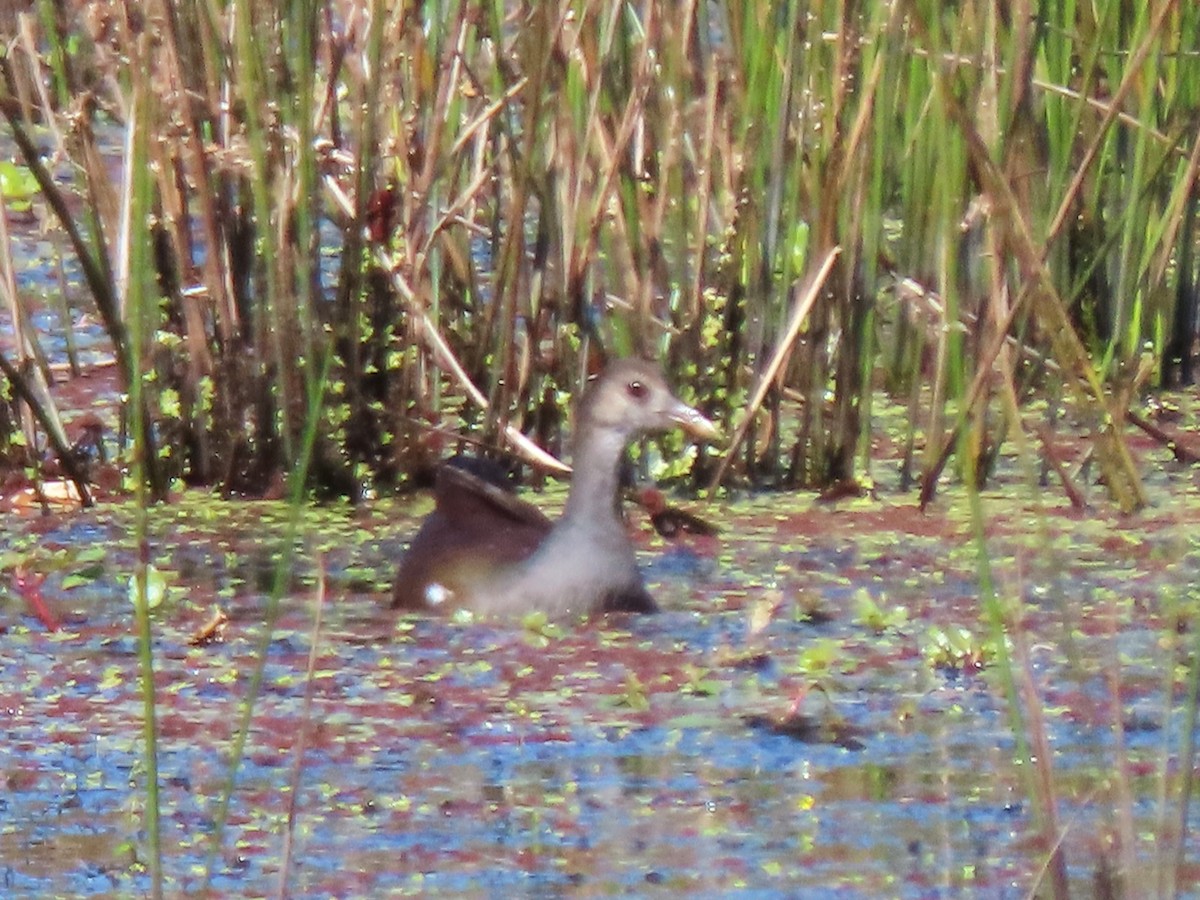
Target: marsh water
816,712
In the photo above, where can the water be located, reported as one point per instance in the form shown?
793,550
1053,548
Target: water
619,757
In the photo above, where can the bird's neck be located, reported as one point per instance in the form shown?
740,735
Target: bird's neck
592,501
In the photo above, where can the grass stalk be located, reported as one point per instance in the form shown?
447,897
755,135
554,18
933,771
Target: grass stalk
302,735
284,566
1174,807
140,307
1020,694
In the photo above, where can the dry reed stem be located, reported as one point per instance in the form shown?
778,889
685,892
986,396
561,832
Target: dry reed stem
1123,480
800,311
1133,71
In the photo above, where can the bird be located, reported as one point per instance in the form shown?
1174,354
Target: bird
485,550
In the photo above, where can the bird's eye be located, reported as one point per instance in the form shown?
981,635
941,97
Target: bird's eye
637,390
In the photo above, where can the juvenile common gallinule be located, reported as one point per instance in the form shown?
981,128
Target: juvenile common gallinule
485,550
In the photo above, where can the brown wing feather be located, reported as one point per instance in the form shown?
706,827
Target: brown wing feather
476,529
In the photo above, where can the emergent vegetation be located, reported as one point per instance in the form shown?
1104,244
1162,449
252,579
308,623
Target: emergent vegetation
371,227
